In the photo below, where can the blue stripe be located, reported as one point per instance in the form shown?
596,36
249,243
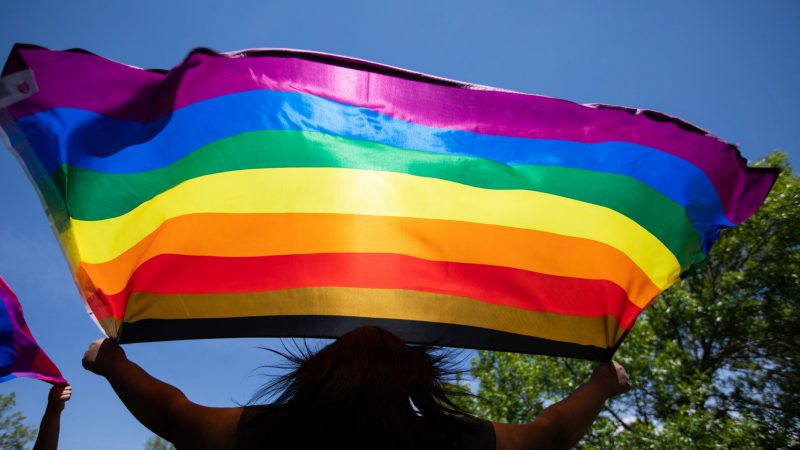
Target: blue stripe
6,377
6,341
95,142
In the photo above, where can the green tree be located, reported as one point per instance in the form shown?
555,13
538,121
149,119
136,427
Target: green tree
14,434
713,361
157,443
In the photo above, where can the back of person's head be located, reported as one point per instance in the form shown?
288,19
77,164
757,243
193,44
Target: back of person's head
367,389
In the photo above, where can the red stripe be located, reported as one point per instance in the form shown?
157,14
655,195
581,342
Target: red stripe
181,274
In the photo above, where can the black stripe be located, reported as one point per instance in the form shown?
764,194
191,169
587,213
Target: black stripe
450,335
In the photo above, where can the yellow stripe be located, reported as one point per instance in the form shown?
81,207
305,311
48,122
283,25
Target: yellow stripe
351,191
601,332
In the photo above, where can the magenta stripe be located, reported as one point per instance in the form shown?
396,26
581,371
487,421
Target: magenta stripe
65,78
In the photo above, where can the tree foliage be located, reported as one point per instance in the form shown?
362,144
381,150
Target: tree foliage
713,361
14,434
157,443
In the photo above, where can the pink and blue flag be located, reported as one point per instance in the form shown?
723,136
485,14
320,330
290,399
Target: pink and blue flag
20,355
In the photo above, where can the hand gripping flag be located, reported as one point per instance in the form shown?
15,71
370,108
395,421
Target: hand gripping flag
290,193
20,355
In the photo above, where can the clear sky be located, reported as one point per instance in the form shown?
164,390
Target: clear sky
727,66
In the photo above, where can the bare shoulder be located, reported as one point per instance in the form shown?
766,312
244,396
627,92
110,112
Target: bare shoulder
538,435
208,428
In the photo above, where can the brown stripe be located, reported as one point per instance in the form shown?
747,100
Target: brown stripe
377,303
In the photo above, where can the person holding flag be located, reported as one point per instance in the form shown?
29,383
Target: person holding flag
50,426
21,356
366,390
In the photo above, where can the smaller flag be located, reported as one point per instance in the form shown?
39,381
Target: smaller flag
20,355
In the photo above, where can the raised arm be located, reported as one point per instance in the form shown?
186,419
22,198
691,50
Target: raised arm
562,425
162,408
49,428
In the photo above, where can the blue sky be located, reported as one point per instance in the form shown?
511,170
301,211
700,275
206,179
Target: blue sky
727,66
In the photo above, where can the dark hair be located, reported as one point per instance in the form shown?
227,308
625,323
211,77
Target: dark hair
367,389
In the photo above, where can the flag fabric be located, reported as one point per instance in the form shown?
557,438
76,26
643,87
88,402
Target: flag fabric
291,193
20,355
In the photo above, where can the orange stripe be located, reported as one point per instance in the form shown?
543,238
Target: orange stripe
217,234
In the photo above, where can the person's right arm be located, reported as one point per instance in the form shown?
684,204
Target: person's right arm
162,408
562,425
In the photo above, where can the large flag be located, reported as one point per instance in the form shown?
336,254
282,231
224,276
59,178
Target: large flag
289,193
20,355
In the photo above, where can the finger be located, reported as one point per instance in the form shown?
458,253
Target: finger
91,353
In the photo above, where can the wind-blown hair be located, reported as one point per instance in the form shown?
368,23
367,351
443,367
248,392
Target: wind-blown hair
367,389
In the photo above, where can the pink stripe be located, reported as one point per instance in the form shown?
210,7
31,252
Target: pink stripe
80,80
38,376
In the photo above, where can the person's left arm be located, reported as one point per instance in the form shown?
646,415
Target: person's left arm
47,439
161,407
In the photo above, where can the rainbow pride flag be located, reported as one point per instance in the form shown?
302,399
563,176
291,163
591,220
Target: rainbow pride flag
20,355
290,193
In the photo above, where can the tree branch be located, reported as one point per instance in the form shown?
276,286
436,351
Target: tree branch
621,422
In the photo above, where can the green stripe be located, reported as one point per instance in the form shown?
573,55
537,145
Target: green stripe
96,195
